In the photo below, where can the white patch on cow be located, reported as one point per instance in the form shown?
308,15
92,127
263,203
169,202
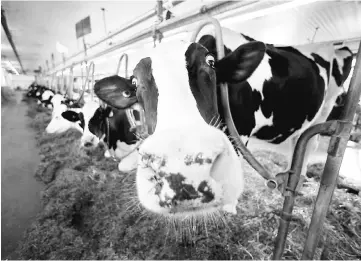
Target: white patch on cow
58,124
261,121
260,75
57,99
37,93
111,114
38,102
88,112
182,133
107,154
46,95
175,95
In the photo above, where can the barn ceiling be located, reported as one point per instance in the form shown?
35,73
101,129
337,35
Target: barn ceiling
37,26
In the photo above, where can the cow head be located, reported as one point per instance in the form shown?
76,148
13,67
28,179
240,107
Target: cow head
95,125
187,167
64,120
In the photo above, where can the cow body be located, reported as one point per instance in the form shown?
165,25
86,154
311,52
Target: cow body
292,89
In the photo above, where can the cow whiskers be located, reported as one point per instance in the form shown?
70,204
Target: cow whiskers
216,122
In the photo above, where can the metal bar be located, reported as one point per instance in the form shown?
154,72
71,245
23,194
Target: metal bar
296,166
10,39
124,55
336,150
213,9
134,23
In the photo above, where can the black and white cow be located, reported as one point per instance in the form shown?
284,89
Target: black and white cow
291,89
112,127
91,139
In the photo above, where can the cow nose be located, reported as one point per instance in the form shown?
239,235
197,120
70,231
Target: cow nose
88,144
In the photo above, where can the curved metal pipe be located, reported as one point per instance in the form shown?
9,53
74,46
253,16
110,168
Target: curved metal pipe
124,55
90,66
270,181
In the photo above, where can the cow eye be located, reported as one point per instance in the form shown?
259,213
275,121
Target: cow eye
126,94
210,60
135,82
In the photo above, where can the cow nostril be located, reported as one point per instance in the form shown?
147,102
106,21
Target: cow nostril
88,144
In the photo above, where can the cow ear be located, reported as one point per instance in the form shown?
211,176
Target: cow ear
241,63
110,90
70,116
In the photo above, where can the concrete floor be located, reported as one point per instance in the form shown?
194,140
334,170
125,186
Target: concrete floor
20,192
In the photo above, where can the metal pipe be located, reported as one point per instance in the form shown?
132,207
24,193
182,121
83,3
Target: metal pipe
295,171
10,39
124,55
105,24
71,83
336,150
212,9
134,23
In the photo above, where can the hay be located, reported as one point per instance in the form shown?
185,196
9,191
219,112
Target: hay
91,212
7,96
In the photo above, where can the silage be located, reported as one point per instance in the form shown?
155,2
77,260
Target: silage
91,212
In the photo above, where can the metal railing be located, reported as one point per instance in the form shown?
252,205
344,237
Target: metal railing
191,18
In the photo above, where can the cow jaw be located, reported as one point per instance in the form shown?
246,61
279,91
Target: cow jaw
186,168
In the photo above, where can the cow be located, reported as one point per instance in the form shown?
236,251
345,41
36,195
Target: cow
112,127
187,166
65,117
78,115
292,89
45,98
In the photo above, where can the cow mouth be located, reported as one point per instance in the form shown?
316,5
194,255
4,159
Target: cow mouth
174,194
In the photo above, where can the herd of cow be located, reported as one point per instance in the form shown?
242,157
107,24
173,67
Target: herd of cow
167,122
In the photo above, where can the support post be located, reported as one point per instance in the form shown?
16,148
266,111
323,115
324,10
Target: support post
335,152
340,132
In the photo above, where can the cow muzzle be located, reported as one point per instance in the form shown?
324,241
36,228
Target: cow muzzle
191,176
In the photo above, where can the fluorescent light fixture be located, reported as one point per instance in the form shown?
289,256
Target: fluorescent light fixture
270,10
12,67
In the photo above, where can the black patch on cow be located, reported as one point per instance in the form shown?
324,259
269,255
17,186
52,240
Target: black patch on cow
183,191
74,117
243,103
205,189
202,81
210,42
292,95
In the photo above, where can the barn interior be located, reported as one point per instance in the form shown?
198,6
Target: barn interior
63,203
